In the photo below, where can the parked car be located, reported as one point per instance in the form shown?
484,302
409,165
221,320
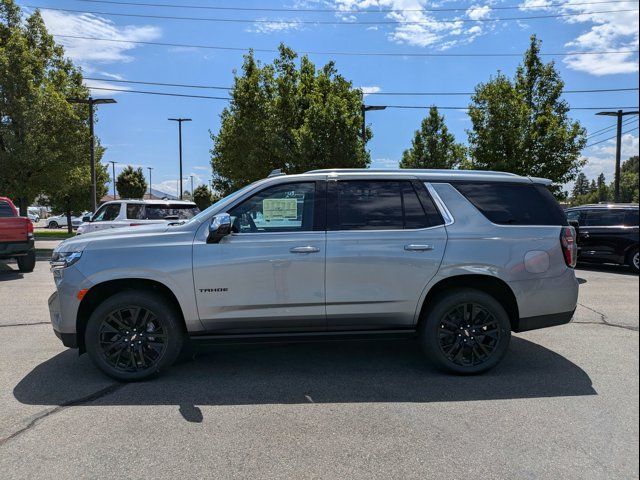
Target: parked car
33,214
608,233
132,213
16,237
58,221
456,259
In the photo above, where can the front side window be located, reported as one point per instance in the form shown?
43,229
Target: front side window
573,215
632,218
107,213
282,208
139,211
604,217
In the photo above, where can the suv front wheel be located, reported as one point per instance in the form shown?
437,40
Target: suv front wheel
134,335
465,331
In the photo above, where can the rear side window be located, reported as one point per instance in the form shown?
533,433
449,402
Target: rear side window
603,217
139,211
632,218
6,210
379,205
514,204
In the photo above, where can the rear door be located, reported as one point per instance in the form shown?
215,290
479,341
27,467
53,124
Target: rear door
385,243
602,233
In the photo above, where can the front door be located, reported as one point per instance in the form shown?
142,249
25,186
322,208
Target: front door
267,276
385,243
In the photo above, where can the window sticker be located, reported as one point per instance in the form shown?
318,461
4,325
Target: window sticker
280,209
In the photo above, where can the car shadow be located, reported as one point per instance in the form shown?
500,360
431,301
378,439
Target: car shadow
340,372
7,273
606,267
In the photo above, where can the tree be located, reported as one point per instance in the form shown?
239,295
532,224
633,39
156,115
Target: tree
433,146
287,117
75,196
629,180
42,136
202,197
131,183
602,190
522,125
581,185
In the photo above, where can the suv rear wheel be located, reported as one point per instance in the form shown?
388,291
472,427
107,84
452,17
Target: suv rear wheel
633,260
134,335
465,331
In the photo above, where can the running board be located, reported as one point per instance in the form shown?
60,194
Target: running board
304,337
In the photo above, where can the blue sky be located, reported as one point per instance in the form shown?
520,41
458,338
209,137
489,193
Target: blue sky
136,130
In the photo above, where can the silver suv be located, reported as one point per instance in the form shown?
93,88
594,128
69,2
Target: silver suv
457,259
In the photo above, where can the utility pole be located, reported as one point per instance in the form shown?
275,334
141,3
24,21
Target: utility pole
180,120
619,114
364,109
149,168
91,102
113,169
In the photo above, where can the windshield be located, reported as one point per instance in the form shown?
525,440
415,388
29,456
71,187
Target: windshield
205,213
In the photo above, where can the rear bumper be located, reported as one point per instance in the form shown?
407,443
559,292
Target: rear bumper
15,249
542,321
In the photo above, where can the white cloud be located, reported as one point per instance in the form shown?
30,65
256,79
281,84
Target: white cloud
278,26
606,32
369,90
89,52
420,28
385,163
476,12
601,157
205,168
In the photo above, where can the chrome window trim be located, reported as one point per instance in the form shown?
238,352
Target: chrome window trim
440,205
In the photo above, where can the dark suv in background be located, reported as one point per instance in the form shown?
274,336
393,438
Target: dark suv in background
608,233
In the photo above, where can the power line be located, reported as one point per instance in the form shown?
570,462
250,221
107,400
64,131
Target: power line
328,22
597,133
347,11
611,138
168,94
338,53
211,87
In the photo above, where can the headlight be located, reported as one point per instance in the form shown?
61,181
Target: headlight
64,259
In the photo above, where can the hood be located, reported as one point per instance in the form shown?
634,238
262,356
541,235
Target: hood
79,243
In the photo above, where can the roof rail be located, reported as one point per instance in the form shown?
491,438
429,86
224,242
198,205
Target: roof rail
412,170
276,173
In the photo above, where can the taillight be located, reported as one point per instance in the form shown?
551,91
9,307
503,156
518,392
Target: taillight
30,227
569,246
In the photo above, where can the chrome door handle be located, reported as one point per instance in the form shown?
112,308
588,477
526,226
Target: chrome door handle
305,249
418,248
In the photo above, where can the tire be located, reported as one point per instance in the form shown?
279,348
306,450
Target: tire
632,260
112,322
53,225
27,263
455,346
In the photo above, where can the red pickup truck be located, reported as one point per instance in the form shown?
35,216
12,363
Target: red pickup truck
16,237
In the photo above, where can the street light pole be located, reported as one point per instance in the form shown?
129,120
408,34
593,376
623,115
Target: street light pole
91,102
618,114
180,120
364,109
191,186
113,169
149,168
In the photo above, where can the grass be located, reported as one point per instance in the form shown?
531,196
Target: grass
58,234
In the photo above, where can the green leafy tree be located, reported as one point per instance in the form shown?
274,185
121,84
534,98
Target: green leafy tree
202,197
433,146
75,196
286,116
43,137
131,183
629,180
522,125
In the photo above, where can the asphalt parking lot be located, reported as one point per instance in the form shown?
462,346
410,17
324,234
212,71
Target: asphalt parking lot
563,404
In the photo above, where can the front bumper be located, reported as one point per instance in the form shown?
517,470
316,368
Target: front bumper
55,313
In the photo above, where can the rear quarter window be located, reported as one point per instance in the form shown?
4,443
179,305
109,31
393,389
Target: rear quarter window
6,210
514,204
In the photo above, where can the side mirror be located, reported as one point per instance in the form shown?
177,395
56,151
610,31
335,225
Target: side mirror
219,228
86,218
576,225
